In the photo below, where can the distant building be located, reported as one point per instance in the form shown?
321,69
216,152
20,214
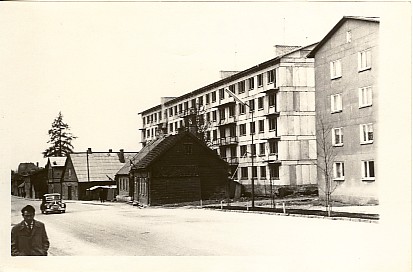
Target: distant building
87,170
279,94
23,180
346,80
178,168
54,168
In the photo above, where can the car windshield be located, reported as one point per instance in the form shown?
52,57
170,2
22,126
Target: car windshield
52,197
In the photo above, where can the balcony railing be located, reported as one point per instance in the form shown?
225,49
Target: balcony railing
232,160
227,121
230,140
186,112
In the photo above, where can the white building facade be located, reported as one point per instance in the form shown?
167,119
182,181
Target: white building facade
271,139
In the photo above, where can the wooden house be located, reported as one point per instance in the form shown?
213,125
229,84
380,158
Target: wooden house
178,168
85,172
54,168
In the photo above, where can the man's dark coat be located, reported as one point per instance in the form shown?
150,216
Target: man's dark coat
26,242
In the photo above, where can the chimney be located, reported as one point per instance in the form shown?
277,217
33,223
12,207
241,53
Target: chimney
225,74
284,49
37,164
89,150
110,150
121,156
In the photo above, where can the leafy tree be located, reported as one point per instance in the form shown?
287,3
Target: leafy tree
60,139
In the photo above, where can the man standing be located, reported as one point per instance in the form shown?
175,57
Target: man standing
29,238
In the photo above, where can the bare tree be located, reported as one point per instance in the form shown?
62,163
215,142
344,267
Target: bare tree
195,121
326,154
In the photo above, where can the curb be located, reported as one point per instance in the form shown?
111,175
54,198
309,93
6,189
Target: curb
303,215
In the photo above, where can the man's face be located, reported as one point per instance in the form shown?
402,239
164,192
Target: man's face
28,217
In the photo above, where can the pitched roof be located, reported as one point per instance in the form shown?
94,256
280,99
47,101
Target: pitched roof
336,27
103,166
57,161
154,149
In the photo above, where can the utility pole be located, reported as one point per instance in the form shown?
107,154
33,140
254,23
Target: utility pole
252,143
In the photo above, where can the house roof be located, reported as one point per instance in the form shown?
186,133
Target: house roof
57,161
154,149
336,27
102,166
229,79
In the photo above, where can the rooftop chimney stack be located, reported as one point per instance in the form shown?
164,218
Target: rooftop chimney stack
89,150
110,150
121,156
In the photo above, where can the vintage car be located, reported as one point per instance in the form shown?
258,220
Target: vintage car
52,203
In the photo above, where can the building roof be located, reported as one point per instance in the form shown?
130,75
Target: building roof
336,27
56,161
102,166
156,148
27,168
236,76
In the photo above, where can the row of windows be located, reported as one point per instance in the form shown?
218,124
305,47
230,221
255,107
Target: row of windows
272,146
124,184
242,129
367,171
365,99
274,171
366,135
272,100
364,63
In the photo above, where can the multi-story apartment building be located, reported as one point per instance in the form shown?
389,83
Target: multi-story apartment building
346,79
270,138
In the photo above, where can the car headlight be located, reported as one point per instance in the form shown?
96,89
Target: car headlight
63,205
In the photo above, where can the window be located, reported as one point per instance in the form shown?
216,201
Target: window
214,134
232,131
263,172
253,150
70,173
221,94
176,110
337,137
244,173
222,132
272,100
213,97
335,69
222,114
260,80
365,97
262,149
251,104
176,126
232,110
260,103
207,99
261,126
241,87
171,127
336,103
273,147
243,151
348,36
364,60
270,76
252,127
170,111
366,133
185,105
272,123
193,103
251,83
201,100
242,130
241,108
233,150
188,149
254,171
214,115
338,168
223,152
144,120
275,171
208,116
368,170
232,88
160,116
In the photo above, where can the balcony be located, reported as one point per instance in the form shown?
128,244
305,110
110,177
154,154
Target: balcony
272,158
232,160
272,134
230,140
271,111
227,121
187,112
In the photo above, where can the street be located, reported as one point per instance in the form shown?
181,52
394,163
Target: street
118,229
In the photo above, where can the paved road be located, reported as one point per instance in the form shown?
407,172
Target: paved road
118,229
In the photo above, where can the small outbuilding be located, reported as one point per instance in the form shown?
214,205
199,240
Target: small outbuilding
178,168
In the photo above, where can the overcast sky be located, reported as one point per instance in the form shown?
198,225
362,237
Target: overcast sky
102,63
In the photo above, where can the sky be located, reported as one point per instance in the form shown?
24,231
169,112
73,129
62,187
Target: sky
101,63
